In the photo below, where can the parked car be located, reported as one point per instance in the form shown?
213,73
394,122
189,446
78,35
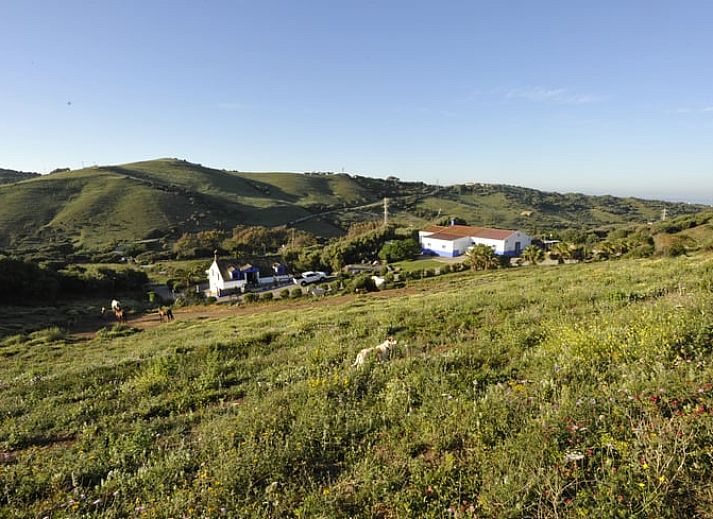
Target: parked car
309,277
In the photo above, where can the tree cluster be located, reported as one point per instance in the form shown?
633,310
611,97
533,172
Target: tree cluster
244,240
198,245
22,281
397,250
353,248
254,240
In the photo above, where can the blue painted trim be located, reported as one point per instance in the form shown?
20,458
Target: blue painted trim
441,253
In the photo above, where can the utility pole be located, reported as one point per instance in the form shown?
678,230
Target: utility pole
663,214
386,211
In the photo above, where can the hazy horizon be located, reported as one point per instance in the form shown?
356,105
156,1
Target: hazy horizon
654,196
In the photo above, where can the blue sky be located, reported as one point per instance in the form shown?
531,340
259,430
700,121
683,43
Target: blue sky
600,97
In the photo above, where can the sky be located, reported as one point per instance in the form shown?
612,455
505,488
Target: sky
598,97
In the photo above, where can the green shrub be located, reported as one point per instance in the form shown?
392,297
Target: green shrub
117,330
643,250
190,297
266,296
250,297
284,293
48,335
296,293
675,249
397,250
362,283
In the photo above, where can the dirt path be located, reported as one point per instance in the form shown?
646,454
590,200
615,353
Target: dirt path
86,329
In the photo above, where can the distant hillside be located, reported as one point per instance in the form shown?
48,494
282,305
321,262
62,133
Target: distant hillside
8,176
539,211
688,233
94,208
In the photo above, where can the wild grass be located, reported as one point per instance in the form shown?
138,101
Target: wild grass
581,390
418,265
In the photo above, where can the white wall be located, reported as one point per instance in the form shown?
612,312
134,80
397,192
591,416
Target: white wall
507,245
518,236
497,245
216,281
277,279
446,247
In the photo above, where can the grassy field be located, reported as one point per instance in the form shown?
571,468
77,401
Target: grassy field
581,390
24,319
419,264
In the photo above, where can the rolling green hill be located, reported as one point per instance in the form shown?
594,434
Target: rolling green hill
93,208
537,211
570,391
8,176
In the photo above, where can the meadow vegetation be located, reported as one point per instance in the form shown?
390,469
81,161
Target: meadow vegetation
577,390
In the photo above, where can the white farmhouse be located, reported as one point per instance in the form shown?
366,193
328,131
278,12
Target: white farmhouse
454,240
226,276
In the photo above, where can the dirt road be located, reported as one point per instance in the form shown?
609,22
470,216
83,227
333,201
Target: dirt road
87,328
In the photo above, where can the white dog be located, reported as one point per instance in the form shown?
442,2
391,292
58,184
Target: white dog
382,352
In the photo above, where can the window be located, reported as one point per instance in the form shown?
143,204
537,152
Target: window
443,246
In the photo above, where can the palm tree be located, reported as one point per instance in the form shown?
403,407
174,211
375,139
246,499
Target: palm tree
579,252
533,254
561,252
605,250
482,257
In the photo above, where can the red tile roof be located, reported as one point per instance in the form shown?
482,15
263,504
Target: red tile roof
461,231
444,236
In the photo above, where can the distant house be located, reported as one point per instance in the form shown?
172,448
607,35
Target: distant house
230,276
454,240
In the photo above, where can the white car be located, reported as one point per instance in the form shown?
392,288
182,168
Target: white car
309,277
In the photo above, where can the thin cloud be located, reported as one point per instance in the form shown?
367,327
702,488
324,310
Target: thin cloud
552,95
688,110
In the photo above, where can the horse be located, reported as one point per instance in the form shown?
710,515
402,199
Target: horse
166,314
119,314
